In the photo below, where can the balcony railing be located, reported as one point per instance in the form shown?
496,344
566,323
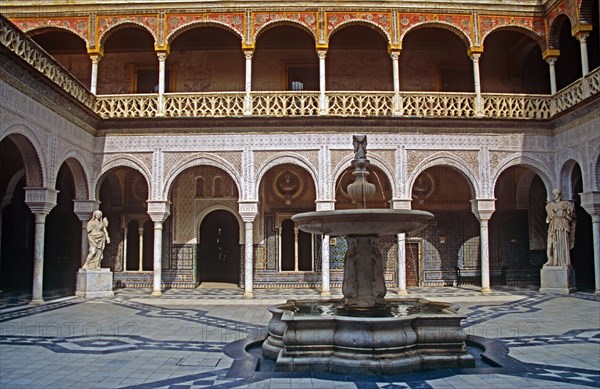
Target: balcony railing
300,103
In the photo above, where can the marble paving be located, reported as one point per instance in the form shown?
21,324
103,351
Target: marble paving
184,340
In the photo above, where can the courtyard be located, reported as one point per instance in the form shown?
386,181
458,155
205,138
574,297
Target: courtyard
193,338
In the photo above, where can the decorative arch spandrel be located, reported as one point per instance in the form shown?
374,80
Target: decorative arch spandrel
177,24
460,25
78,25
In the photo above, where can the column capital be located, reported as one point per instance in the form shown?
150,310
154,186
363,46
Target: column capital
483,208
475,52
394,54
248,53
40,200
590,201
96,52
162,50
85,208
248,210
581,36
159,210
550,53
321,53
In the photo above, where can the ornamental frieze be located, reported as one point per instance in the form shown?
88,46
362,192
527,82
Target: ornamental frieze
306,19
176,22
382,20
463,23
77,25
106,23
488,23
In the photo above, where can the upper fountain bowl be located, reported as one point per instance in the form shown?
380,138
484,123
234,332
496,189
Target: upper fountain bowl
363,221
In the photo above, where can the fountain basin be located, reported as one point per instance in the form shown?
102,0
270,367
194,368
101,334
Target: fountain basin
375,345
363,221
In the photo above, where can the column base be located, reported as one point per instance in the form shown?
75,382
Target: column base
486,290
156,293
93,283
37,302
325,293
557,279
248,295
401,292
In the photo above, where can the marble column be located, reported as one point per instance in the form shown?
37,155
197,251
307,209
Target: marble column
396,79
322,98
402,264
552,68
248,210
40,201
141,250
159,211
84,210
296,251
483,210
248,257
590,201
476,79
94,76
325,276
248,89
162,58
585,69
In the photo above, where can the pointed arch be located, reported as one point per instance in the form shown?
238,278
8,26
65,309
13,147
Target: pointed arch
80,170
359,22
450,160
121,25
536,165
283,22
280,159
338,170
200,24
126,161
520,29
31,153
443,25
221,207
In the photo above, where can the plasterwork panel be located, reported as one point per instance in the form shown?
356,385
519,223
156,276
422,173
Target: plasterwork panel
566,7
337,156
234,158
177,22
489,23
461,22
183,203
106,22
470,159
386,156
307,19
77,25
380,19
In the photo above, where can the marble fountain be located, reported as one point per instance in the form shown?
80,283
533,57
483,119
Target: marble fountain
364,333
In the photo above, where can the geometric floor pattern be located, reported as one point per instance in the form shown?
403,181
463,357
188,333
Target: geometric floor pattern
177,340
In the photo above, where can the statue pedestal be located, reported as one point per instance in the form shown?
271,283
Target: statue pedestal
557,279
94,283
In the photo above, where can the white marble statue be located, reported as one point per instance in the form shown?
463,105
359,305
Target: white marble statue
561,219
97,238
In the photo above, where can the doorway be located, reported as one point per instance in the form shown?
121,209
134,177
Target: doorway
219,248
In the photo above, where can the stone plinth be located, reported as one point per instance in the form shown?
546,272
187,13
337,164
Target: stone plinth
94,283
557,279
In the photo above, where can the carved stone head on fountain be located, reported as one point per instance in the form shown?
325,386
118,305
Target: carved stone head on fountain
360,190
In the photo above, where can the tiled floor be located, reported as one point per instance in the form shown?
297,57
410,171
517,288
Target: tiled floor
177,341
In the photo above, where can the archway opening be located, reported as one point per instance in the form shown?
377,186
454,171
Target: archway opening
582,254
518,227
452,240
219,248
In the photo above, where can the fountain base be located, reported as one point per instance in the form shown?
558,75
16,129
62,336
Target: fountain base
338,343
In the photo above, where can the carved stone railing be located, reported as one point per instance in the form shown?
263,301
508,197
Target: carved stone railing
577,91
517,106
360,103
127,106
285,103
215,104
443,105
19,43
